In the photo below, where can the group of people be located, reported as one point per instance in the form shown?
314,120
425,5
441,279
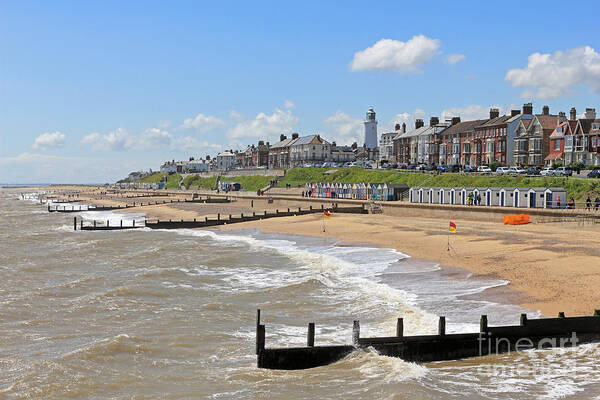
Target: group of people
588,203
474,199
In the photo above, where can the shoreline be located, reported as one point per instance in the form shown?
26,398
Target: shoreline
550,267
493,254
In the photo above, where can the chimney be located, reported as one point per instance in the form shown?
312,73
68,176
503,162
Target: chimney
397,127
573,114
282,138
333,144
419,123
494,113
514,113
433,121
562,117
294,136
354,146
545,110
527,108
404,127
261,143
590,113
455,120
267,144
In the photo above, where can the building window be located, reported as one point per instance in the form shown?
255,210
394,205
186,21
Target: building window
556,145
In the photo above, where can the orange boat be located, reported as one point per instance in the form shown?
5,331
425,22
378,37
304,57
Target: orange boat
516,219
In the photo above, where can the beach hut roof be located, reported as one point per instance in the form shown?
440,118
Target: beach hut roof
508,189
538,189
556,189
494,188
521,189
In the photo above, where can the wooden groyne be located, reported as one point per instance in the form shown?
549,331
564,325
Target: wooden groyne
97,225
529,334
80,208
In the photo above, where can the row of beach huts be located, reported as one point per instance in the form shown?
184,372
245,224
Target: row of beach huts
356,191
524,197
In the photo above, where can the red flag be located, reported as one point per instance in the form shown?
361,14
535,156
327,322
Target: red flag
452,227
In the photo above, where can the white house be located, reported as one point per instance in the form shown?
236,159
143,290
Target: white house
225,160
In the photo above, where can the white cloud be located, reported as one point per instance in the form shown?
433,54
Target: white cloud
49,140
189,143
154,137
552,75
474,111
264,126
407,118
202,123
117,140
236,115
455,58
344,129
389,54
288,104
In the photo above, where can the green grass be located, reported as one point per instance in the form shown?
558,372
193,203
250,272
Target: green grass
172,180
197,180
250,183
578,188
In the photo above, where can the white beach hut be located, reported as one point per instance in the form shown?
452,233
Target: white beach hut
555,198
536,197
492,196
454,196
422,195
506,197
433,195
520,197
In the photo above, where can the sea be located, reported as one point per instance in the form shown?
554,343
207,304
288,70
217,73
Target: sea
171,314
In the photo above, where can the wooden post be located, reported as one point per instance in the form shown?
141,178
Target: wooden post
442,326
483,324
257,329
252,203
107,223
48,207
74,223
265,213
523,319
310,208
134,223
260,338
94,223
322,207
253,213
80,224
194,219
400,327
288,209
355,333
310,339
561,314
205,219
218,216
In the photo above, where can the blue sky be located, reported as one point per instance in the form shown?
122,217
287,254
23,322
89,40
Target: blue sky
90,91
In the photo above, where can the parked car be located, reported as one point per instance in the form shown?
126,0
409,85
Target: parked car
411,166
442,168
484,168
502,170
421,167
563,171
347,164
547,172
453,168
470,168
533,171
430,167
516,170
595,173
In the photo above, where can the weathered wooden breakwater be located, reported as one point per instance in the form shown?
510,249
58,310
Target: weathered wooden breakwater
97,225
529,334
80,208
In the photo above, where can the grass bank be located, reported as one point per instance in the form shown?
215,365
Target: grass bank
250,183
172,180
578,188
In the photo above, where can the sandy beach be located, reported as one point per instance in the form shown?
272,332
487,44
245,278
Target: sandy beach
551,267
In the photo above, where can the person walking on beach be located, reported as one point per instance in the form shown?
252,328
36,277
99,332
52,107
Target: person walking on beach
571,203
478,199
596,203
588,203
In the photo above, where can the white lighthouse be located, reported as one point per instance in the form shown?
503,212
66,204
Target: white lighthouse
371,129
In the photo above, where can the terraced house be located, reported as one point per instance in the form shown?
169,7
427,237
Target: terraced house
406,144
581,142
532,143
309,149
455,147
